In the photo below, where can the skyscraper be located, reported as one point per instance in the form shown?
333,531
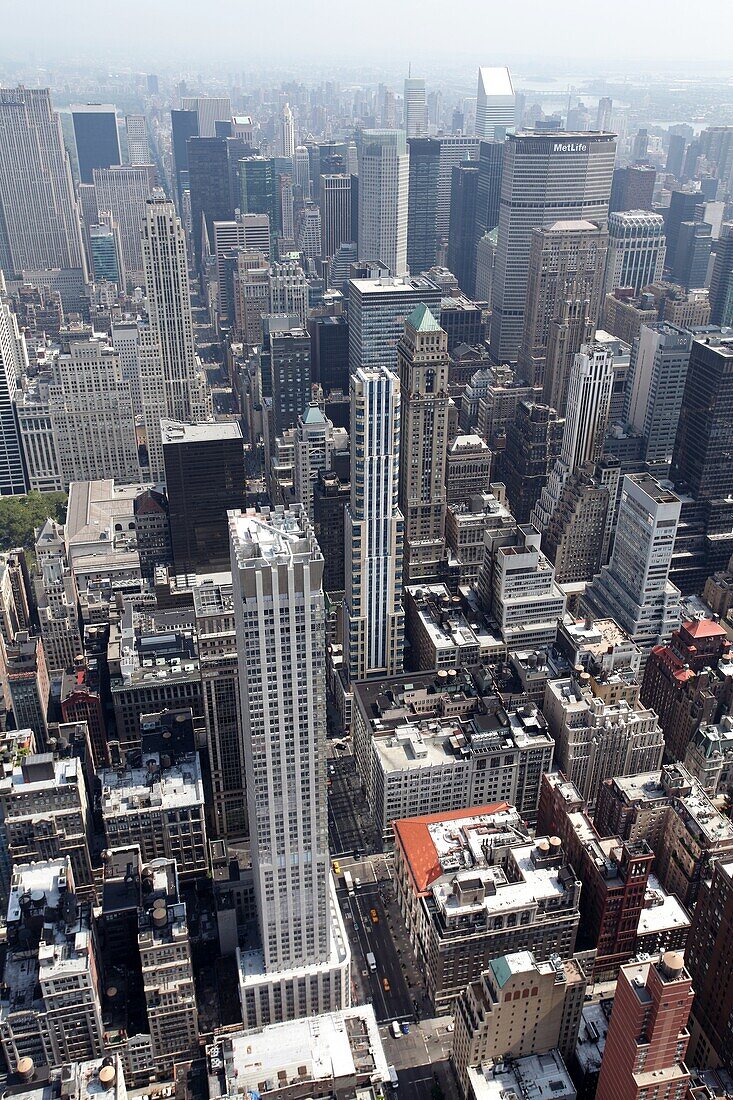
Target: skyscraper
377,311
374,529
453,150
693,253
416,116
208,179
96,137
335,213
184,125
301,172
682,205
279,612
603,116
285,143
496,103
654,390
13,361
490,161
209,110
462,231
41,228
703,458
721,281
422,355
172,384
383,195
636,250
123,191
564,294
647,1035
545,178
633,187
258,189
138,150
422,213
710,961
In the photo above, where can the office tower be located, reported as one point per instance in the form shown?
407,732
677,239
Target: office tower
138,150
13,363
453,151
603,116
251,292
589,399
488,193
50,1007
285,187
289,293
422,356
335,213
41,227
184,125
675,155
26,674
377,309
657,373
533,443
721,282
647,1036
279,612
308,234
330,352
210,110
56,599
289,349
703,461
301,172
710,965
374,528
640,146
462,228
204,478
545,178
636,250
416,118
316,446
633,188
634,588
258,189
105,254
330,497
171,382
692,255
485,257
96,138
123,191
208,176
92,414
383,194
496,103
422,211
682,208
564,294
285,140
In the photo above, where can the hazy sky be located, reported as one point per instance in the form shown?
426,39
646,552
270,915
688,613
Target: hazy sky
256,33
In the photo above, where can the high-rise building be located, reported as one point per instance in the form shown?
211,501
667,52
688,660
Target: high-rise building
603,116
330,497
453,151
682,208
285,140
703,461
533,443
279,612
377,311
374,528
545,177
488,193
290,371
636,250
564,296
330,352
96,138
41,228
383,195
209,185
172,384
633,187
693,254
204,477
721,281
138,149
316,444
422,355
496,103
289,291
184,125
308,232
209,110
656,383
710,963
335,213
123,192
647,1036
634,588
13,362
675,155
301,172
462,229
422,203
416,116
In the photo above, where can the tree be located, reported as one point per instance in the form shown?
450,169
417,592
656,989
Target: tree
19,516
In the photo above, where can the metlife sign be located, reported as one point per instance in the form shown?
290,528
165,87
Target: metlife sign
570,147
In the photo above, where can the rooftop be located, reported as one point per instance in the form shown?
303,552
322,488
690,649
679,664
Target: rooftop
175,431
151,787
275,536
662,912
433,844
535,1077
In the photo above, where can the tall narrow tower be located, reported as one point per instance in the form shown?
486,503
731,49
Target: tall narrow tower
416,115
423,364
383,194
374,528
286,135
13,360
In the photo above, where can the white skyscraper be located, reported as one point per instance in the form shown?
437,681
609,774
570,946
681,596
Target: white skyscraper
288,290
286,134
636,249
41,227
123,192
138,150
210,109
316,440
280,619
416,114
657,374
172,384
374,528
13,361
301,172
384,169
496,102
589,401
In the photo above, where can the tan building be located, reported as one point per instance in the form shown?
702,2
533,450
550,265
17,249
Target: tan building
519,1006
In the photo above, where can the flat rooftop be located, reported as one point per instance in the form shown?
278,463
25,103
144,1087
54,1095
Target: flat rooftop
662,911
395,284
175,431
150,787
536,1077
273,535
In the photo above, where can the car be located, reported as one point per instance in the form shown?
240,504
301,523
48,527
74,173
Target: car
331,769
374,915
357,882
405,1028
451,1026
336,867
396,1029
385,985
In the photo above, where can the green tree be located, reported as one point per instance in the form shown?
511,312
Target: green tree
19,516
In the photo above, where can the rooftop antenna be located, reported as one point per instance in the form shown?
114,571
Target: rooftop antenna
409,69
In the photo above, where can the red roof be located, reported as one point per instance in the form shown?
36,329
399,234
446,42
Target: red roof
413,836
703,628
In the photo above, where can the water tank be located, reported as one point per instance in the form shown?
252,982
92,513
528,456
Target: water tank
160,915
673,963
25,1068
555,843
107,1077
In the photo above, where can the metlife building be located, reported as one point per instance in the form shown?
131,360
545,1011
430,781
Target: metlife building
546,178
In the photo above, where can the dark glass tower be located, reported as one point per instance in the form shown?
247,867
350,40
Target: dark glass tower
462,232
208,176
184,125
703,454
97,141
422,203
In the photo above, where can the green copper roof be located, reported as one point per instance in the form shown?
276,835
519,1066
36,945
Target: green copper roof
422,320
313,415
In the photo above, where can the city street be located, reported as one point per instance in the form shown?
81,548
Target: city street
350,828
